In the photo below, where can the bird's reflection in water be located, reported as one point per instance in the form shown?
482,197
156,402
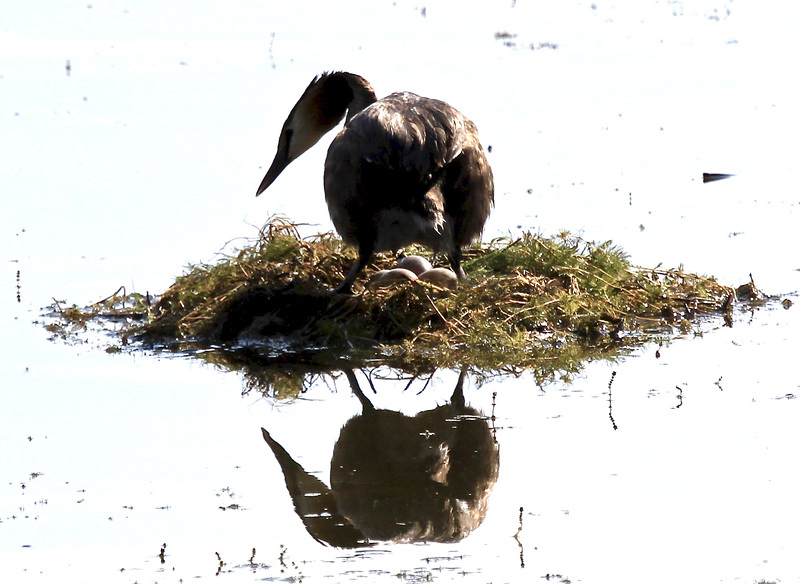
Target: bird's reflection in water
398,478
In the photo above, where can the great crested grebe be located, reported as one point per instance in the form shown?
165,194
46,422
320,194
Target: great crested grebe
404,169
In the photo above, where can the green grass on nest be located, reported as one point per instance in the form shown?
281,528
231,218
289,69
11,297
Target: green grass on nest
526,300
518,288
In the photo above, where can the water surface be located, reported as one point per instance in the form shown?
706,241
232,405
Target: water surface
146,156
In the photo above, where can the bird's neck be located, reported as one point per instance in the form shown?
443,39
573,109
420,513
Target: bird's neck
363,94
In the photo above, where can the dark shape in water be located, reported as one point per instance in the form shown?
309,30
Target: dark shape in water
711,177
314,503
398,478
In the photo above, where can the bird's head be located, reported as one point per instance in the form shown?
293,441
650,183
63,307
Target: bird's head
321,107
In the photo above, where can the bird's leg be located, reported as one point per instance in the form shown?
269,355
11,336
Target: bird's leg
457,398
346,287
366,405
455,262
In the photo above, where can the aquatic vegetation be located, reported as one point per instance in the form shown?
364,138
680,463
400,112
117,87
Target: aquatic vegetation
112,314
530,302
519,289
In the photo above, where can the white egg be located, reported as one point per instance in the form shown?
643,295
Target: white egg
441,277
415,263
386,278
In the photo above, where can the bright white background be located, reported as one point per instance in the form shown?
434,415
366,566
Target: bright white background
146,157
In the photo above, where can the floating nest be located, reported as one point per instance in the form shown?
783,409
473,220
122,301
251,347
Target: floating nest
528,302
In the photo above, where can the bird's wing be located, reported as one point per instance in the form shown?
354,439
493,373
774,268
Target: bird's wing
408,133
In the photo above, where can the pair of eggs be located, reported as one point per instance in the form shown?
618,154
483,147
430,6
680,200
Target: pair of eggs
414,267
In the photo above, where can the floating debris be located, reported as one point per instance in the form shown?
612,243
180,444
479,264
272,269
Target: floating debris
711,177
748,292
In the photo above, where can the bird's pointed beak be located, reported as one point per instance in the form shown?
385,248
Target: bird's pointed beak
280,162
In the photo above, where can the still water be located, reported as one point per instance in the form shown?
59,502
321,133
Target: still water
144,155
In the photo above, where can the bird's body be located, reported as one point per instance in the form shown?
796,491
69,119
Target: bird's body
404,169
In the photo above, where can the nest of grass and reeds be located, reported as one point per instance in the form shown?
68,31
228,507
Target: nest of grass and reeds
518,288
529,302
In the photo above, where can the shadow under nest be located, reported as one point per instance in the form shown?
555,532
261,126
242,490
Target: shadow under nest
306,313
